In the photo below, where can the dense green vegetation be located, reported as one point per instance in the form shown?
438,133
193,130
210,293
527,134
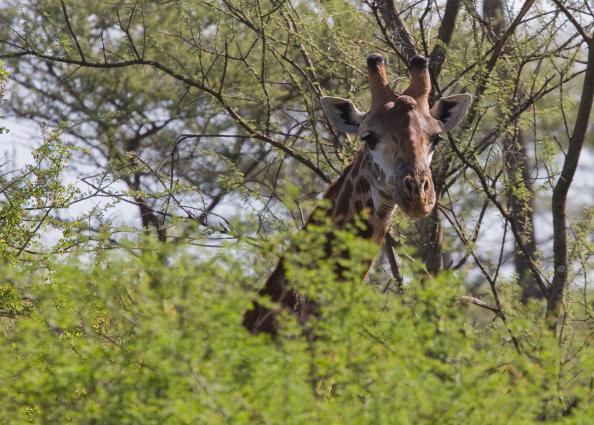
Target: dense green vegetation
126,340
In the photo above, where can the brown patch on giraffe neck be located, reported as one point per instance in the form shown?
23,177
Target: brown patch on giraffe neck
358,193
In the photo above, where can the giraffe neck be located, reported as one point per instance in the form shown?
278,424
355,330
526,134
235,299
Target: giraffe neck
358,188
361,187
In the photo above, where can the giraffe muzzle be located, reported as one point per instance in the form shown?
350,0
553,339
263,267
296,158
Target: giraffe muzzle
415,194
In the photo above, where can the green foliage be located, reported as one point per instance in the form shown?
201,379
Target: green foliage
30,195
205,116
101,343
3,78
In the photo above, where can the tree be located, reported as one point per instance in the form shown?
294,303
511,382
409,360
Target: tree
205,116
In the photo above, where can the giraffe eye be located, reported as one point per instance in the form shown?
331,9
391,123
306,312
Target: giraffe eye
436,141
371,140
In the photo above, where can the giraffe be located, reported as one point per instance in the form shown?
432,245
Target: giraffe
392,168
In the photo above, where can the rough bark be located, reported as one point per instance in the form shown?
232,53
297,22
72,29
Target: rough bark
430,245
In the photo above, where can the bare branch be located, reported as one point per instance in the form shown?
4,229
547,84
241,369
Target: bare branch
72,34
467,299
559,203
193,83
573,21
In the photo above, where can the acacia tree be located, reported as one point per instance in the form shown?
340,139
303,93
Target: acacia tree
195,103
204,116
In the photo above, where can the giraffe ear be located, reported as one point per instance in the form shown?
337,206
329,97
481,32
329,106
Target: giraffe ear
343,115
449,111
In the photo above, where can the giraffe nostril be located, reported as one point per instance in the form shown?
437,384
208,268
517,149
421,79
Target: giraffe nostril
409,185
426,185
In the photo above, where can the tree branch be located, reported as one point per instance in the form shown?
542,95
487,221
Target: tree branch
573,21
559,203
72,34
395,24
446,29
193,83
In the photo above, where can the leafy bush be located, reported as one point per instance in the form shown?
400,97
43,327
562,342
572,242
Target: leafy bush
128,339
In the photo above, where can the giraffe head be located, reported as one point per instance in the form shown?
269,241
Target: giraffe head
400,132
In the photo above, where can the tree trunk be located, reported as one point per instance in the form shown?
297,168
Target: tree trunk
521,202
517,166
559,204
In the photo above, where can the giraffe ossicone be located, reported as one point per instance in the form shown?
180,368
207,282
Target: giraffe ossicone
392,168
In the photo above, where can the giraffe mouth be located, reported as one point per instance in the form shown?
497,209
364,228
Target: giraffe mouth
415,194
416,211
